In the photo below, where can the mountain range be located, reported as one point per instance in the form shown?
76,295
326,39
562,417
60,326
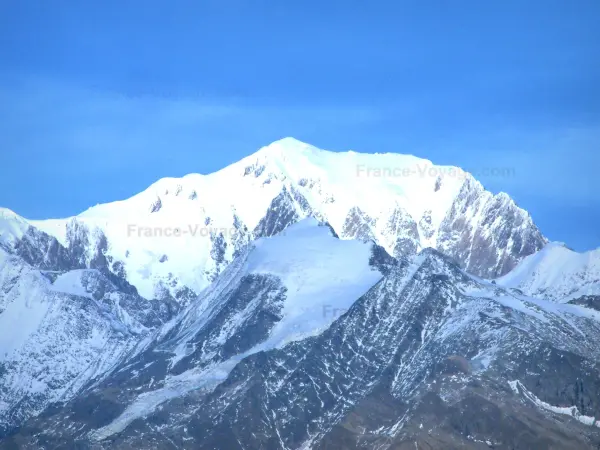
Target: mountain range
299,299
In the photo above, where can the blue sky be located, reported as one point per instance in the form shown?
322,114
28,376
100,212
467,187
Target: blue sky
100,99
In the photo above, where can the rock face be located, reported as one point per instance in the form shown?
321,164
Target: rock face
401,202
285,209
488,235
588,301
424,355
41,250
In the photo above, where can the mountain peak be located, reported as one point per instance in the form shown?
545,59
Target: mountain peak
12,226
287,146
6,213
556,272
290,143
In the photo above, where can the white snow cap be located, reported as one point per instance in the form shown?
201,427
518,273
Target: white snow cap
556,272
391,191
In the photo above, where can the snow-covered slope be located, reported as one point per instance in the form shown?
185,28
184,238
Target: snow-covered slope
427,344
180,233
59,330
309,276
558,273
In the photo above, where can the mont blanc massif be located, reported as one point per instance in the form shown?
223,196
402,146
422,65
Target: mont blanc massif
299,299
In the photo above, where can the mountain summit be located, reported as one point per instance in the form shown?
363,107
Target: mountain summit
175,237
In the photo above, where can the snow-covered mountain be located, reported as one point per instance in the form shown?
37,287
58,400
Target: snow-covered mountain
419,354
558,273
180,233
298,299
